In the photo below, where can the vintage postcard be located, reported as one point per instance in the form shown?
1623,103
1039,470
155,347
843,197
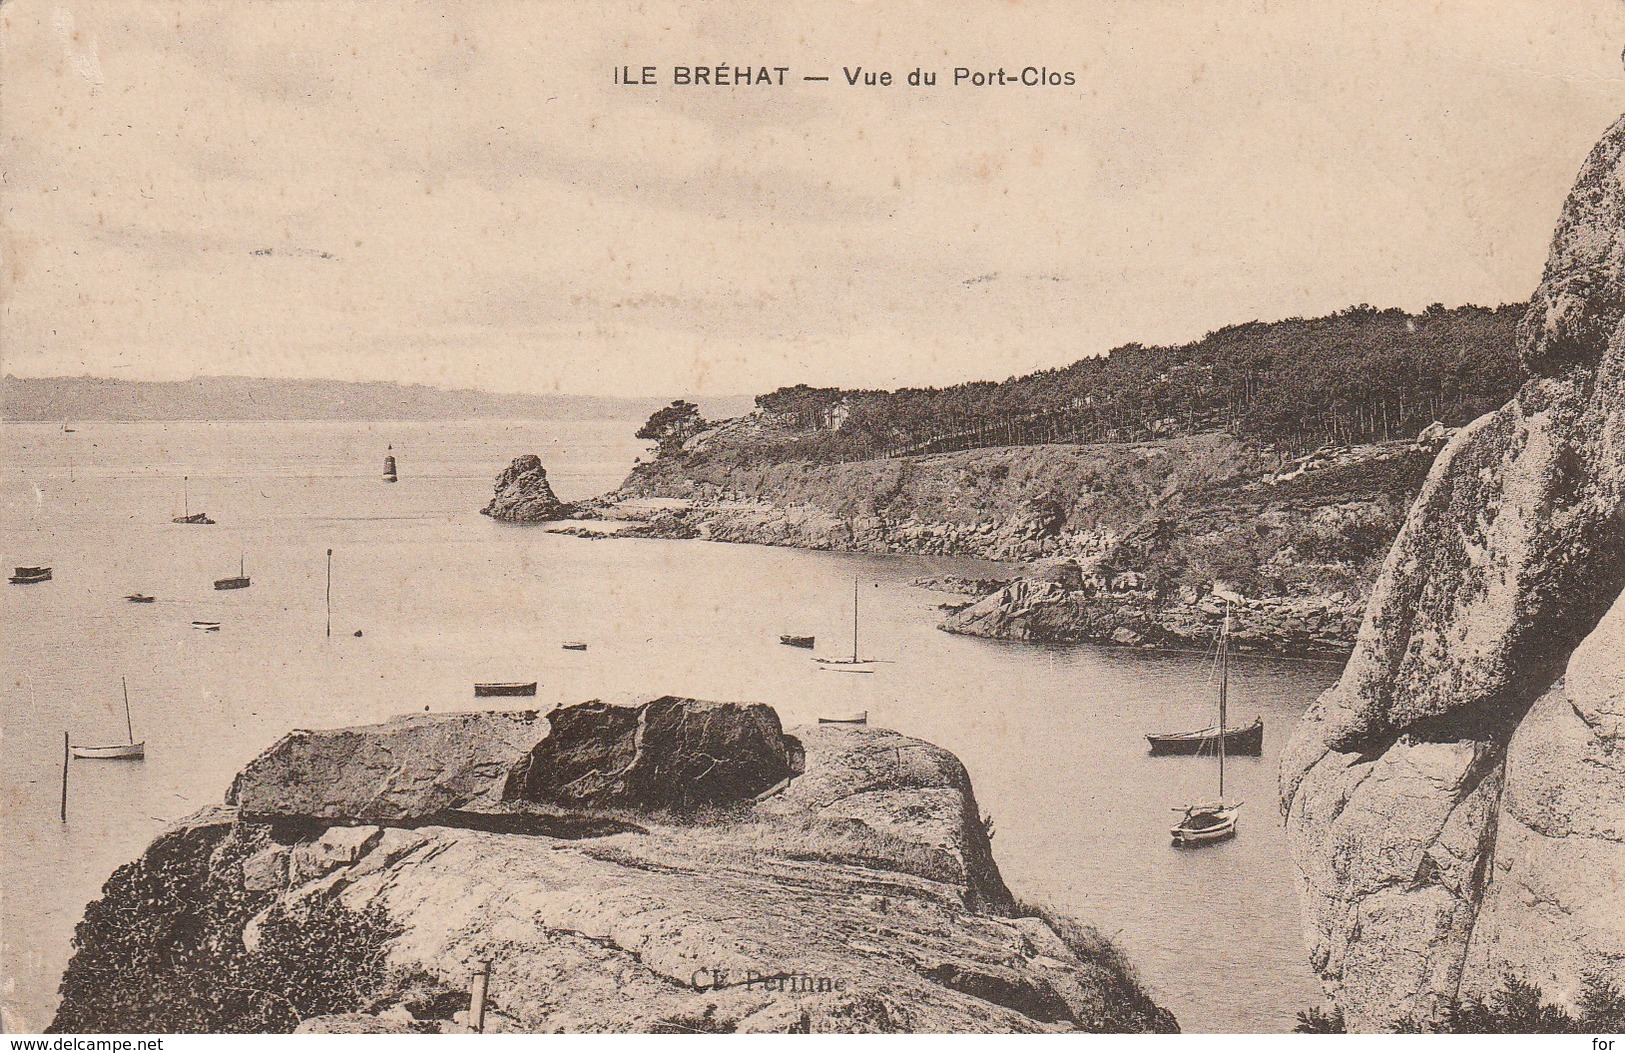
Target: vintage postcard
886,517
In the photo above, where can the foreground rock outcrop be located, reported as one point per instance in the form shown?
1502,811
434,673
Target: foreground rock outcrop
838,878
1455,804
524,495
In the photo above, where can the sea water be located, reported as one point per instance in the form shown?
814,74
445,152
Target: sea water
428,597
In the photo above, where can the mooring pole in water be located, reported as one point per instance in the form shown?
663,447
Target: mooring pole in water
329,594
476,996
64,776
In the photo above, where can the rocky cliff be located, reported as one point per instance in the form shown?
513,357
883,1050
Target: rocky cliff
1456,804
677,866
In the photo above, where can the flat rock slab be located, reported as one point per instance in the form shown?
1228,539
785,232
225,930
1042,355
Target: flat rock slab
407,769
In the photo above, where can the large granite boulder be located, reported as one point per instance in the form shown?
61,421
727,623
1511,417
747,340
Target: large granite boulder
410,768
1554,905
523,494
668,753
1422,790
858,896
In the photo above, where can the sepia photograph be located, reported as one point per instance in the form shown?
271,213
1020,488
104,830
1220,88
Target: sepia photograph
862,517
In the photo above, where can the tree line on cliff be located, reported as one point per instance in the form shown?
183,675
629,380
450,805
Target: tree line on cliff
1358,375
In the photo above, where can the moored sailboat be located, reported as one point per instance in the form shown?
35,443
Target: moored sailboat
1208,822
128,750
187,516
240,581
854,664
1245,741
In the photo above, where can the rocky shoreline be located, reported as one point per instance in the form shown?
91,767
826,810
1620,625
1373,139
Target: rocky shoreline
1044,609
1118,546
675,866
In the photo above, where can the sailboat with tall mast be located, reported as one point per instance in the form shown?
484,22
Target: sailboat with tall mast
128,750
1213,821
854,664
187,516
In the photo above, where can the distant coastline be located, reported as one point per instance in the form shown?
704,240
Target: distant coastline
230,398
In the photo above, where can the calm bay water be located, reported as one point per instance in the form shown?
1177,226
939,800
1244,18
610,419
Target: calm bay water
1052,736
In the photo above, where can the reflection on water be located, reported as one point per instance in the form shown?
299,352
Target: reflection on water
1052,736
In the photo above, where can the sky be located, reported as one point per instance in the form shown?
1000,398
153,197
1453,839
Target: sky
459,194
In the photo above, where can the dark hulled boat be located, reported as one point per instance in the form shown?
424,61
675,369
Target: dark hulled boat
239,581
796,641
30,575
505,690
1238,742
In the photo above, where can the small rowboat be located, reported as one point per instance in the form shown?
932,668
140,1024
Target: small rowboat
141,597
208,627
122,751
504,690
1238,742
30,575
131,750
574,645
797,641
860,717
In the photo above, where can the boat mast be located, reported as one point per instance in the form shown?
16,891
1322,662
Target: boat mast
1224,691
186,500
129,729
854,618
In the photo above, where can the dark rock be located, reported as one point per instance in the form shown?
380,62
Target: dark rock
669,753
523,494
